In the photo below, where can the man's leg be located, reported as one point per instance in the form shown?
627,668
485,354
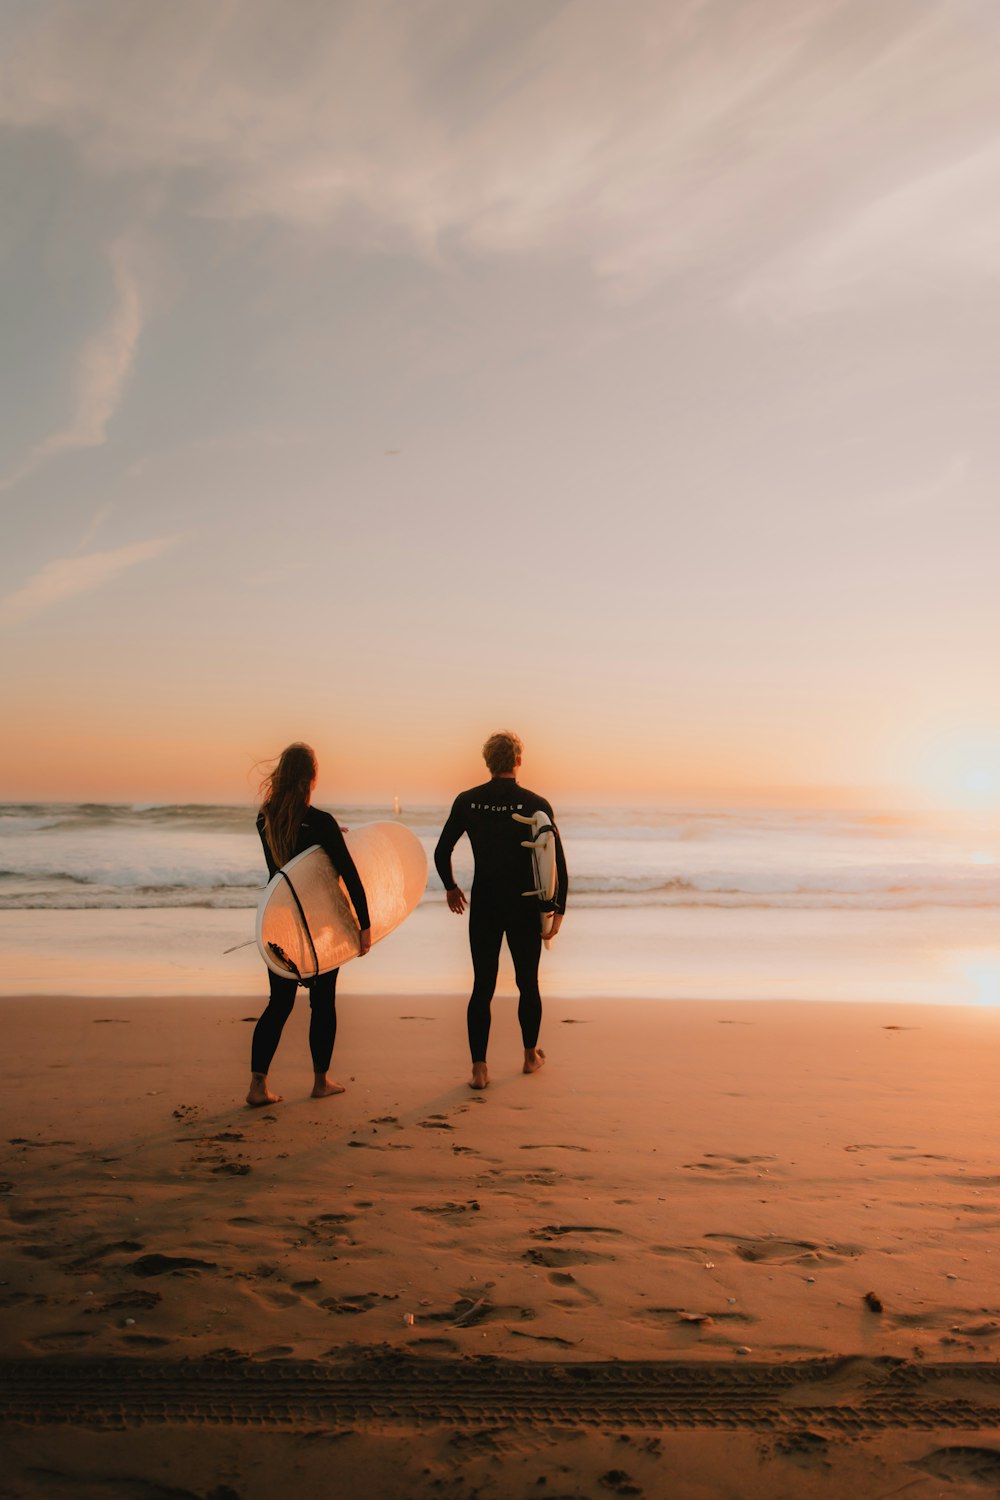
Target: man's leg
524,938
485,937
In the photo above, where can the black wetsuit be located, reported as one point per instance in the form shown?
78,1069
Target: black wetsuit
316,828
498,907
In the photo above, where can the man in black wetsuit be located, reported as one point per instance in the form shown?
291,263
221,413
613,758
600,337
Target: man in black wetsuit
499,907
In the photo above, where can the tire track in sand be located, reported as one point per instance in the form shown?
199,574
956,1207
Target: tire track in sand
846,1395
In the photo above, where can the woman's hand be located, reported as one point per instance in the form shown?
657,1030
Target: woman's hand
366,941
456,900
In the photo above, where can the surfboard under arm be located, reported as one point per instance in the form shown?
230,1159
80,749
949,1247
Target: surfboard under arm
543,861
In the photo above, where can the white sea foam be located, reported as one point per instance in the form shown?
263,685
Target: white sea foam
151,855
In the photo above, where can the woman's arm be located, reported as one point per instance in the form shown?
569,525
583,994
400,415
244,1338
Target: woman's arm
330,838
272,868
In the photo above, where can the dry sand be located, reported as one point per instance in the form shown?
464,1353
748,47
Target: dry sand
642,1271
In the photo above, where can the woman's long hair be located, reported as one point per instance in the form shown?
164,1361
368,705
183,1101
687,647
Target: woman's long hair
284,797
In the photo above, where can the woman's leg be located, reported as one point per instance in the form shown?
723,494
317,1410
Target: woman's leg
267,1035
323,1032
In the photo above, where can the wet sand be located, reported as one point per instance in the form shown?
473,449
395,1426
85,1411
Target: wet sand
776,1223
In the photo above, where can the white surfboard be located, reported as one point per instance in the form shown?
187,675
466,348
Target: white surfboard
305,923
543,863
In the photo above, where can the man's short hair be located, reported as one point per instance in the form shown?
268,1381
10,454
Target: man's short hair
502,752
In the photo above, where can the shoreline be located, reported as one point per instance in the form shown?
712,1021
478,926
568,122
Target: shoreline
933,956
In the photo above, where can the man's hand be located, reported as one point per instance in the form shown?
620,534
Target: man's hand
556,924
456,900
366,941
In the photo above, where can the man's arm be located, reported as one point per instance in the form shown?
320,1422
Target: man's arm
562,877
450,835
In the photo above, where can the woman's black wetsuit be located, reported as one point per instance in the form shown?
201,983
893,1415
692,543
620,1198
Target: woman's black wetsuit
317,828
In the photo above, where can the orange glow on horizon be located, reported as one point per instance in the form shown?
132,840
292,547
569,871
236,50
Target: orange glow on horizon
376,761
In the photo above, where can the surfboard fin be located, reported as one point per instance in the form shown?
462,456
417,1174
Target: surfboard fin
283,958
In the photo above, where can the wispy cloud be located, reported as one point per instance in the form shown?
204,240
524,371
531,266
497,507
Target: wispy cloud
102,371
677,136
67,577
943,219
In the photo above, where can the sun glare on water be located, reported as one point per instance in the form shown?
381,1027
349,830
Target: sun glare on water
980,978
962,775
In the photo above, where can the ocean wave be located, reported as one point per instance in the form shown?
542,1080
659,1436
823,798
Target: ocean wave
151,854
95,898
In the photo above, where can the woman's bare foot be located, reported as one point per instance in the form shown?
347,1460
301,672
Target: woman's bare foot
323,1088
259,1094
480,1077
534,1058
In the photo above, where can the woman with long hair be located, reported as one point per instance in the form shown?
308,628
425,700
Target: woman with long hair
288,824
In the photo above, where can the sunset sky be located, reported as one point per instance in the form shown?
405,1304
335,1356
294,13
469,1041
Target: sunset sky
383,374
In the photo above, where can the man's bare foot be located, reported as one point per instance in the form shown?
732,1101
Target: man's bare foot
480,1077
534,1058
259,1094
323,1088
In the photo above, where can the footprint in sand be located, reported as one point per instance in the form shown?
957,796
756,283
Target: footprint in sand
686,1318
449,1210
723,1163
275,1298
34,1215
565,1257
979,1465
545,1338
766,1248
555,1146
555,1231
743,1161
23,1142
68,1339
878,1146
470,1310
356,1302
160,1265
101,1252
142,1301
619,1483
324,1221
579,1295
